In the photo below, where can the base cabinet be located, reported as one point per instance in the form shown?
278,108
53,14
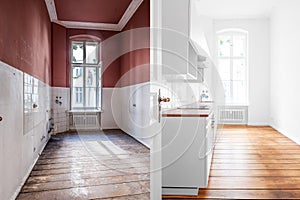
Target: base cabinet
187,147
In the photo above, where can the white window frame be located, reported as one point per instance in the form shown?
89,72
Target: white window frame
84,67
231,33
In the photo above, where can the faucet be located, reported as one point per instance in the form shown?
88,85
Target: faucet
203,95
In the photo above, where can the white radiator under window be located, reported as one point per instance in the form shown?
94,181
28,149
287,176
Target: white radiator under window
84,121
233,115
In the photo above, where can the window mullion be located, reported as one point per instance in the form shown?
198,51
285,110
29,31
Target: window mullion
72,88
84,74
84,87
231,67
84,53
97,86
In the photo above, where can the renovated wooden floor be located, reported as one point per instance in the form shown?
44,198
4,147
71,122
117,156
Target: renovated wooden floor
253,163
103,165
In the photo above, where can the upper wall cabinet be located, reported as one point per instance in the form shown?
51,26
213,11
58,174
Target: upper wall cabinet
175,35
180,57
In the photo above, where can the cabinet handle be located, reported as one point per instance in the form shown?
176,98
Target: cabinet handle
1,119
34,105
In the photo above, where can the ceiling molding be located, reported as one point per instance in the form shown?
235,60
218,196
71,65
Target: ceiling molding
51,10
133,6
88,25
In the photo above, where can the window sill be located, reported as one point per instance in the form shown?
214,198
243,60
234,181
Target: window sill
86,111
236,104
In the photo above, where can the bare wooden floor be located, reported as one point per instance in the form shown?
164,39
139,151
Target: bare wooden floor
103,165
253,163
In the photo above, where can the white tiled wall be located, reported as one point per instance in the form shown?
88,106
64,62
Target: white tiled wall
60,108
24,129
36,118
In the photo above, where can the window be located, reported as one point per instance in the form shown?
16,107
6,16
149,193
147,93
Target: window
78,95
232,65
85,75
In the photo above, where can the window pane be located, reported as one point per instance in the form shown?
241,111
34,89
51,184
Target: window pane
77,52
224,45
100,77
239,45
224,69
92,53
90,97
226,85
239,91
77,77
77,97
91,77
239,69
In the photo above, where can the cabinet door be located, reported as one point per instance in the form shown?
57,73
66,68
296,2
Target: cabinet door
175,35
11,129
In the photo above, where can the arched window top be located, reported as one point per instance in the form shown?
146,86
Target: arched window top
232,30
85,37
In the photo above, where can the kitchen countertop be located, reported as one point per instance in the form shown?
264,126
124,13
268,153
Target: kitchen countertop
189,112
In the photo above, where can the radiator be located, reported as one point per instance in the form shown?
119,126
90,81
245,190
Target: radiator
233,115
84,121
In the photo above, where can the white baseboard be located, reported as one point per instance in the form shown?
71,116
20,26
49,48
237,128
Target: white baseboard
140,141
291,137
109,127
258,124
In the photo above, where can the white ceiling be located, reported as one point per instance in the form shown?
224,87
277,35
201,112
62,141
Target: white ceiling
235,9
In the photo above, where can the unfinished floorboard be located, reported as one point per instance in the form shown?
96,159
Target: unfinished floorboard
91,165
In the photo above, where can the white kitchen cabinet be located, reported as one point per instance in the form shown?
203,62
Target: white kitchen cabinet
175,37
180,55
187,147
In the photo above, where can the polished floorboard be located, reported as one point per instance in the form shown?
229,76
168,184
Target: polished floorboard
90,165
252,163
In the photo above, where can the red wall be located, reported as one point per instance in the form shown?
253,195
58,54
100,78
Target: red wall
25,37
138,58
120,67
112,73
61,56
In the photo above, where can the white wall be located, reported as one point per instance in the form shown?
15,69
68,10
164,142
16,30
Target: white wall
201,28
202,32
127,108
135,111
285,69
259,66
109,95
23,130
